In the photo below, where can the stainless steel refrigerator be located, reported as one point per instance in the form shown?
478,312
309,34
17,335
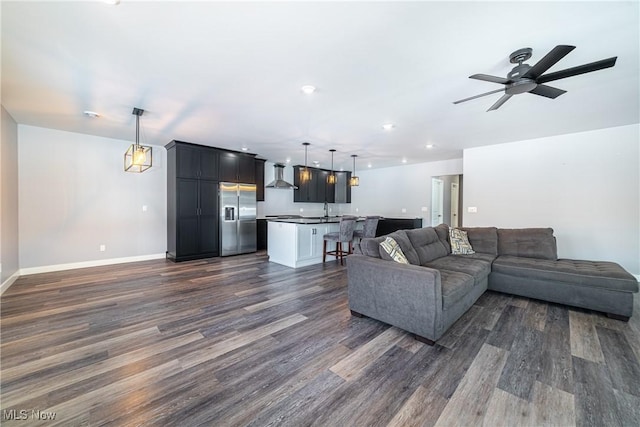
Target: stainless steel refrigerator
237,218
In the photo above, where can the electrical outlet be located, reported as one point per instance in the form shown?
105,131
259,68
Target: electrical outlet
424,209
472,209
301,210
404,210
103,248
144,208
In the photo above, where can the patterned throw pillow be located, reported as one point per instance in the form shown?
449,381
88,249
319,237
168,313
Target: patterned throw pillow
460,242
391,247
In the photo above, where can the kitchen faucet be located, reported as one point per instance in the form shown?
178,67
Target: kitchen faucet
326,209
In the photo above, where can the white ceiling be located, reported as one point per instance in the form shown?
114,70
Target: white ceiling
229,74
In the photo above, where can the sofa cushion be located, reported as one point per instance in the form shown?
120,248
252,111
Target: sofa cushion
477,268
527,242
483,239
371,246
426,244
460,242
597,274
391,251
442,230
455,286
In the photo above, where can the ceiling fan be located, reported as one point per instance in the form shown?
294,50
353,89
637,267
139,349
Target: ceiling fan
526,78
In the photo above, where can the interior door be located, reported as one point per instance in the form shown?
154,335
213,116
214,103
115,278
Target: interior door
455,197
437,201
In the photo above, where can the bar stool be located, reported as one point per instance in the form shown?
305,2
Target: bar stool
344,235
369,228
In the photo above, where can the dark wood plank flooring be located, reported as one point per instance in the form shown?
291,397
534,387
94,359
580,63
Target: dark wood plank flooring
240,341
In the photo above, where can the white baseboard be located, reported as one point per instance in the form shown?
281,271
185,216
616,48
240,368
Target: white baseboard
9,282
85,264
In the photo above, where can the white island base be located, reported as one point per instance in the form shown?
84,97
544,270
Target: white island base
296,244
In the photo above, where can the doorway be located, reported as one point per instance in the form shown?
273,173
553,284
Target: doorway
437,201
446,200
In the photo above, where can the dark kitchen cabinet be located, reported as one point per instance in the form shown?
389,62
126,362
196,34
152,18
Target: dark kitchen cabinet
195,223
237,167
318,190
193,176
261,238
194,161
259,168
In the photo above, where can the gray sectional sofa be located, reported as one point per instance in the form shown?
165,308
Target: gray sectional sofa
426,296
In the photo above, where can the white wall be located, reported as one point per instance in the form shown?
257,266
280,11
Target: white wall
9,260
388,191
75,196
586,186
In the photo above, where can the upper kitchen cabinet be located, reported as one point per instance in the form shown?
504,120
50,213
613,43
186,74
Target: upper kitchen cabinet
195,161
259,168
237,167
318,190
342,190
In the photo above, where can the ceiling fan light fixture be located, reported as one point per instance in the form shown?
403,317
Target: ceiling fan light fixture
138,158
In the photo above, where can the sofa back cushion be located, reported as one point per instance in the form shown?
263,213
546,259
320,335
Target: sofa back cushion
527,242
483,239
370,246
442,231
426,244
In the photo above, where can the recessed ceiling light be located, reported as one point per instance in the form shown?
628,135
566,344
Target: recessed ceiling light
112,2
430,145
91,114
369,165
388,126
404,160
245,149
288,159
308,89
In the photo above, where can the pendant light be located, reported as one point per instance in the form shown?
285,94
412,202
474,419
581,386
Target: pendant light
331,179
354,181
138,158
305,173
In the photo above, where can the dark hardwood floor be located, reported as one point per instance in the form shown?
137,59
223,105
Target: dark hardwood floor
240,341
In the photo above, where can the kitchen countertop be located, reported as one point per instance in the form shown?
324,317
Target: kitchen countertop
310,220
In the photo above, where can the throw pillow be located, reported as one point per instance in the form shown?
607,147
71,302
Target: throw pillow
391,248
460,242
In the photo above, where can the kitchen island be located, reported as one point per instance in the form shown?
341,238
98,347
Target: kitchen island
297,242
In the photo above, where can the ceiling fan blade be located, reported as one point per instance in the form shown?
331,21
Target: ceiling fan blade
547,91
500,101
478,96
488,78
549,60
580,69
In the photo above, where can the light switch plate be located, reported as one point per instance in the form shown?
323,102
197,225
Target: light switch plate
472,209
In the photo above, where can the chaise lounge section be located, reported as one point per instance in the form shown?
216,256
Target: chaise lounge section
427,295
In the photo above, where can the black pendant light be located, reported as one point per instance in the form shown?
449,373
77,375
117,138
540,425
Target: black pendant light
331,179
354,181
305,173
138,158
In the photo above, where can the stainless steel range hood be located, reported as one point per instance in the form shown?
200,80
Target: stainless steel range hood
279,182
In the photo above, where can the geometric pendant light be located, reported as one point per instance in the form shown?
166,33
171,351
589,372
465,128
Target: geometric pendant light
138,158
